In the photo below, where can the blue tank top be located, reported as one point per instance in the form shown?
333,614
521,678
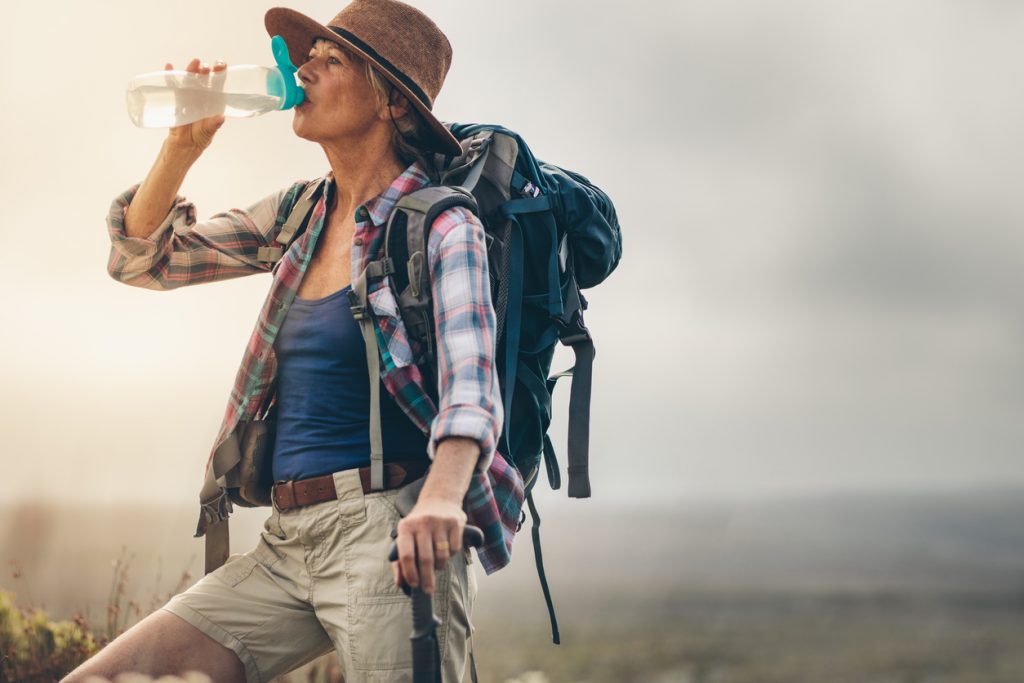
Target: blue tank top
323,395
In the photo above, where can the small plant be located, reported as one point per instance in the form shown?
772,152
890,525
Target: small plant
33,648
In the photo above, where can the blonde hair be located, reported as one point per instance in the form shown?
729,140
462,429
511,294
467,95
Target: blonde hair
409,129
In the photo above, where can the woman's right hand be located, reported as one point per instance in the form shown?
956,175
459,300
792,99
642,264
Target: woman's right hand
196,137
184,144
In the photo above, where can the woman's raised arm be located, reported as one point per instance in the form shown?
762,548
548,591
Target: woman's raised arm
183,146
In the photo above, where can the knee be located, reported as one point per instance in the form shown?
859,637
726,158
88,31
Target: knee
161,645
88,672
77,676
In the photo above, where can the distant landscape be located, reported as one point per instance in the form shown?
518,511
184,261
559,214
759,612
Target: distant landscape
853,587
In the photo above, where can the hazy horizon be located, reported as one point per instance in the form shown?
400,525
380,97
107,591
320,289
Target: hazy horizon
821,282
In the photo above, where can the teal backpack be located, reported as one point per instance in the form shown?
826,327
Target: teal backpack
550,233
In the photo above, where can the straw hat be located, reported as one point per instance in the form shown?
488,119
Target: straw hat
406,46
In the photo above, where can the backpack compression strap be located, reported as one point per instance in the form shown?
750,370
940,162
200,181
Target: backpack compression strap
573,333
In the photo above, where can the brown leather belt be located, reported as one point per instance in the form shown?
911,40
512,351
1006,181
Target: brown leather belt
289,495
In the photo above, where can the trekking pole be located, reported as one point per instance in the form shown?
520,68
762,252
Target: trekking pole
426,653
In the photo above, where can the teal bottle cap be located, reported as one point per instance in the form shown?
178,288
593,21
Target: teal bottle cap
293,93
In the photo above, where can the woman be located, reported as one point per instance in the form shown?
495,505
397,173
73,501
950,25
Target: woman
319,577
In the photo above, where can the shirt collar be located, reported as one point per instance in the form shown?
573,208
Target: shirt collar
379,208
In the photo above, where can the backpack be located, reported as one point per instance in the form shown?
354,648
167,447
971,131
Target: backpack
550,233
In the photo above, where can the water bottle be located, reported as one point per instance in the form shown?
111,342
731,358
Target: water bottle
163,99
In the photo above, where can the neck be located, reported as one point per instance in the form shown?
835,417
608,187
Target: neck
363,168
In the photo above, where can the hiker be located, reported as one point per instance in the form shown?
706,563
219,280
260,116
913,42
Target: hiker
318,577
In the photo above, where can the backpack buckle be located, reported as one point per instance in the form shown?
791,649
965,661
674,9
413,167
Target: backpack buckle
215,511
476,148
375,270
358,309
479,142
570,335
572,331
269,254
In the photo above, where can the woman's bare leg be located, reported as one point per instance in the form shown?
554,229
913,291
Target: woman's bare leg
159,645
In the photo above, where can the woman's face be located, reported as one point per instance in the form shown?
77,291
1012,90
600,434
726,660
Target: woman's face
340,103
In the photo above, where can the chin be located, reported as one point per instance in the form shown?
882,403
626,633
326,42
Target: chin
301,128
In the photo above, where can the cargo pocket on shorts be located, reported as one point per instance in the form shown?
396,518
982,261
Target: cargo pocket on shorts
240,567
381,625
236,570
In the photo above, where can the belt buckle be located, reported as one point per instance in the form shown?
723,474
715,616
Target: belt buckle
289,487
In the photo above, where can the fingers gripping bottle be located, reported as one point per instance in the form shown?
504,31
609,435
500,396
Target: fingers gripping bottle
164,99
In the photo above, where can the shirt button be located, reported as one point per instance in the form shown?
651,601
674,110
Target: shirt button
358,241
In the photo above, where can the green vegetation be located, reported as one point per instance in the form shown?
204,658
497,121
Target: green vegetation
35,649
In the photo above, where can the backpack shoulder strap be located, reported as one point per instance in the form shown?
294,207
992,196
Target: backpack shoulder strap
295,224
405,250
408,225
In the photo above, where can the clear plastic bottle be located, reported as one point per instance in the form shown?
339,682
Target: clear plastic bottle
163,99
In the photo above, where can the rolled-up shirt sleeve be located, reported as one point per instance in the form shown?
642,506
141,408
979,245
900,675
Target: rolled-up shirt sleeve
469,398
182,251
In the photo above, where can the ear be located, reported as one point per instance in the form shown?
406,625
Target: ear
398,104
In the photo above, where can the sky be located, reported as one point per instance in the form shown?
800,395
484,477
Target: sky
821,283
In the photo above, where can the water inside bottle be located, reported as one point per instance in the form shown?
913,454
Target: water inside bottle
151,106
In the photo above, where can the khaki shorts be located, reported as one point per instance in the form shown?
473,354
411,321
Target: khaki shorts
319,579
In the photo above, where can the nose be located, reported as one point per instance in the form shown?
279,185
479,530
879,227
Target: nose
305,71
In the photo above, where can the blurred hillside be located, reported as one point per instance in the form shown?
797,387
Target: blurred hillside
947,543
881,588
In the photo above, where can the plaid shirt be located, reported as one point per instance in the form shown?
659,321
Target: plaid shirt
183,252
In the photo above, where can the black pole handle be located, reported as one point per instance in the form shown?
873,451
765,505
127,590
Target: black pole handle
426,658
472,537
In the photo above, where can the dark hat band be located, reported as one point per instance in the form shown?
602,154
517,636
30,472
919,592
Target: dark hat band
385,64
